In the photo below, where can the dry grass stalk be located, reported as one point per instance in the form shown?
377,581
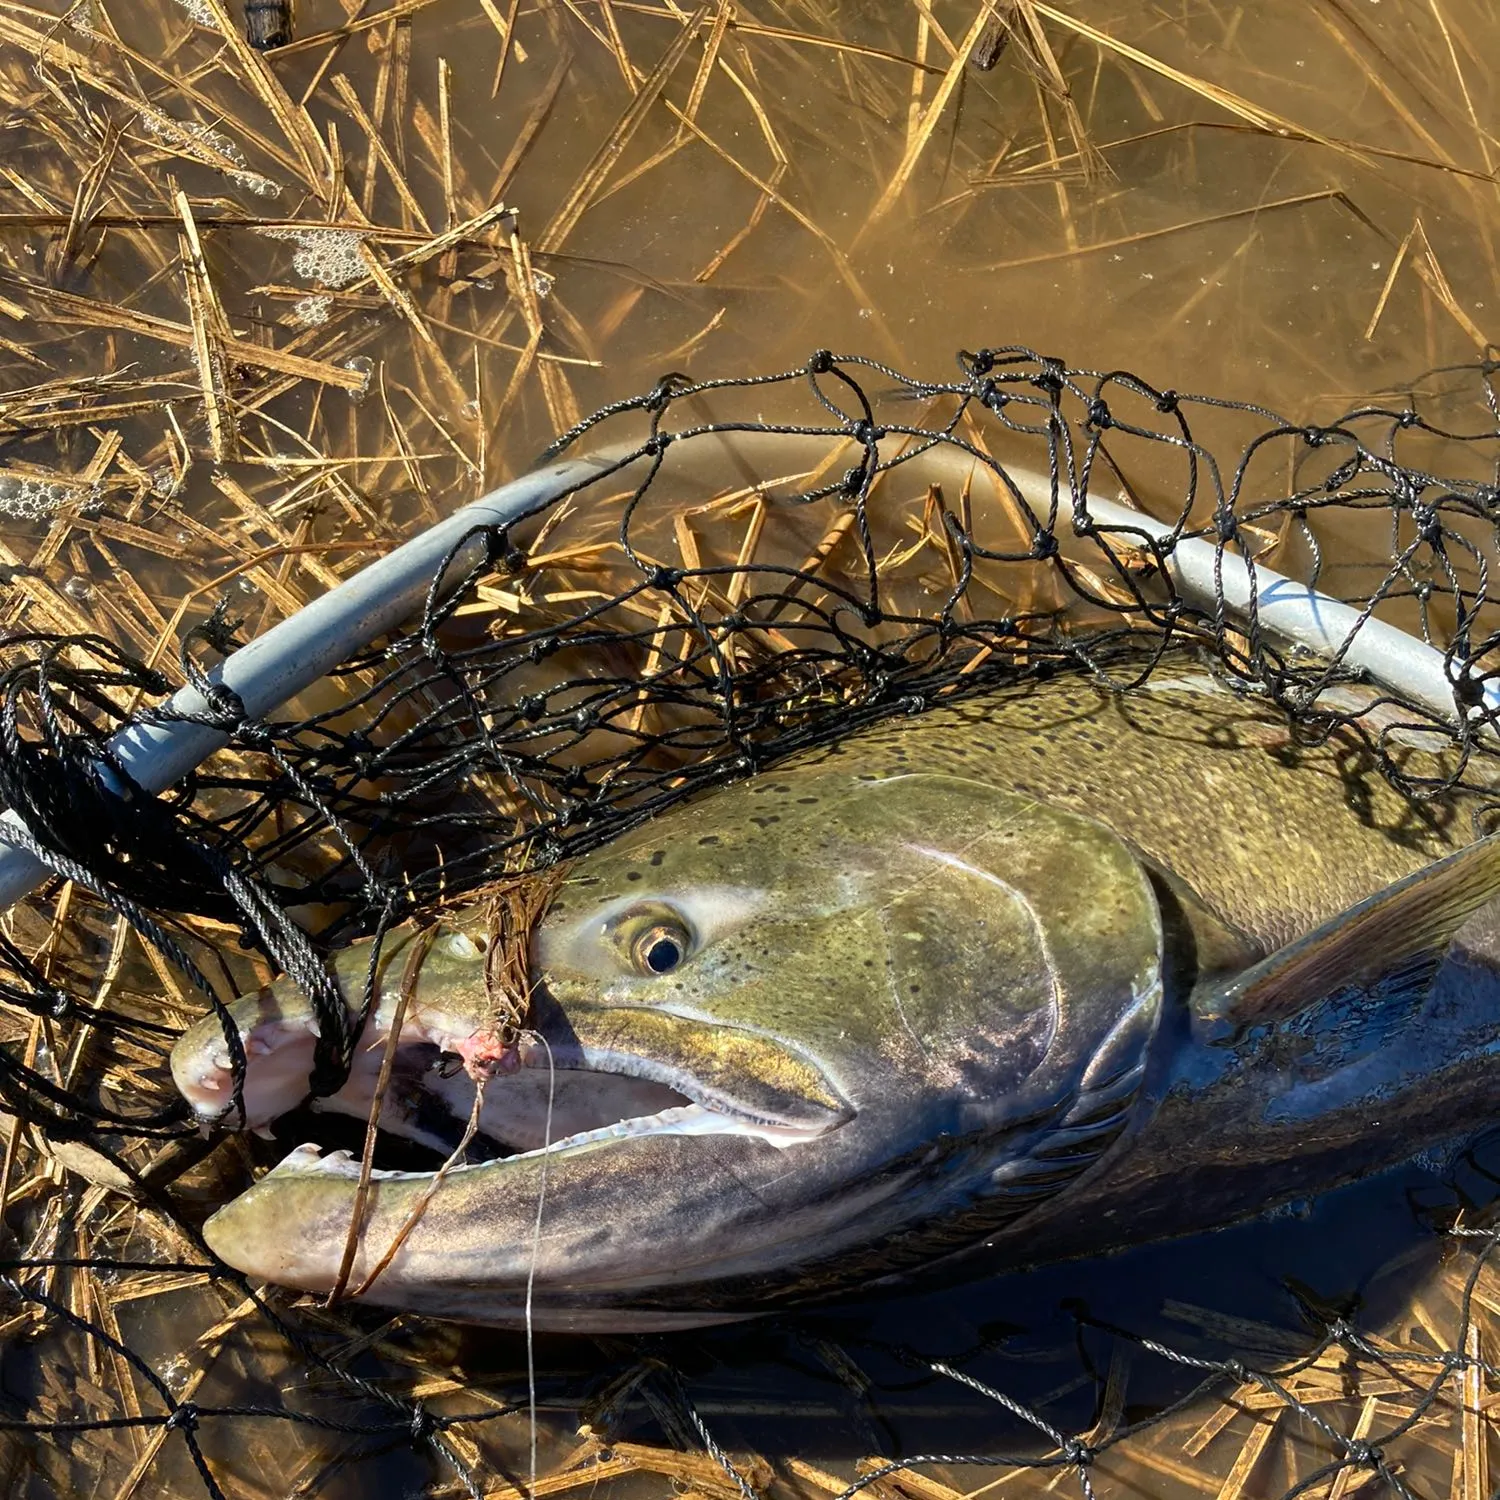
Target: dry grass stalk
417,950
925,123
1474,1437
163,195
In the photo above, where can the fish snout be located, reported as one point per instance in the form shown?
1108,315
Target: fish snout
598,1121
276,1042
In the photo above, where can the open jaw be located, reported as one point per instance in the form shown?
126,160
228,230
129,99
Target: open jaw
597,1083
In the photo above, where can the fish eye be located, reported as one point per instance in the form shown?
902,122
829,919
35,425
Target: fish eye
660,948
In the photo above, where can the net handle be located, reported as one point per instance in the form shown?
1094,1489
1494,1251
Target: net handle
1325,626
304,647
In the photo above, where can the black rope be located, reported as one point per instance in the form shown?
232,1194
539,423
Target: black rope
593,714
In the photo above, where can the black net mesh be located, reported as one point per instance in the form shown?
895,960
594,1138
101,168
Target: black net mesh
757,566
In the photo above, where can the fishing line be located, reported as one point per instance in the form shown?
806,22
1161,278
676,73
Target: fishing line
536,1250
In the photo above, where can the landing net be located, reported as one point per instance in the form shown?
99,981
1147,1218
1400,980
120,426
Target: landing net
759,565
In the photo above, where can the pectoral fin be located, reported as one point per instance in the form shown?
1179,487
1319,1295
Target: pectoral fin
1394,940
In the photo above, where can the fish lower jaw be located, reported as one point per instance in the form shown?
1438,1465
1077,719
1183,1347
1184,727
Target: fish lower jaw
685,1119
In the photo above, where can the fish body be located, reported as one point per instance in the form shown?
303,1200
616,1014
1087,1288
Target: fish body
1044,973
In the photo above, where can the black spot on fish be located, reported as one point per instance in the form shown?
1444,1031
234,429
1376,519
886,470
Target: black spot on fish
766,819
710,838
632,875
806,801
657,855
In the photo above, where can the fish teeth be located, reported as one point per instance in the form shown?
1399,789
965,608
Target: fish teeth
309,1154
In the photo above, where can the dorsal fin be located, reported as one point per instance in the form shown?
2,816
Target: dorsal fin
1398,935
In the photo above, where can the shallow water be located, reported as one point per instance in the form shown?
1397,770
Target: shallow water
833,1387
1305,216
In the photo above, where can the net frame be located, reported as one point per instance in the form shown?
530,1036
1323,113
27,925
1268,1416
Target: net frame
65,784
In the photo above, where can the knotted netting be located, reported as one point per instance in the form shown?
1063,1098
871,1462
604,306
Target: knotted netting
751,566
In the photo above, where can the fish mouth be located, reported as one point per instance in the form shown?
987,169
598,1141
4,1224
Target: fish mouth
595,1077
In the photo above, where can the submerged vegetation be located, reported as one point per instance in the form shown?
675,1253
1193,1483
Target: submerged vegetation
263,313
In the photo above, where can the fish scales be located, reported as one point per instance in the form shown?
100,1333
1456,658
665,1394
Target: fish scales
1274,835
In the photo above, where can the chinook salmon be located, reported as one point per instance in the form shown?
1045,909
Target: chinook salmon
1051,971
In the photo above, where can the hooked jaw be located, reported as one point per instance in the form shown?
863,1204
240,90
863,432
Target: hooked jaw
602,1102
279,1036
575,1233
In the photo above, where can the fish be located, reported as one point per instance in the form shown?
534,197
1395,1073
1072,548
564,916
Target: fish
1040,973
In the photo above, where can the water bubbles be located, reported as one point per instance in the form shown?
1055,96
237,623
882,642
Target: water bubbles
363,365
186,134
78,588
1439,1159
261,186
312,312
23,498
175,1373
325,257
84,18
542,283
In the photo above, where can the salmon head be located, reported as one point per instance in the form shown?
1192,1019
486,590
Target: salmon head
787,1039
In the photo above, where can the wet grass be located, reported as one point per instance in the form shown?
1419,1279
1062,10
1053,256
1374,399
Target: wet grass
264,313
